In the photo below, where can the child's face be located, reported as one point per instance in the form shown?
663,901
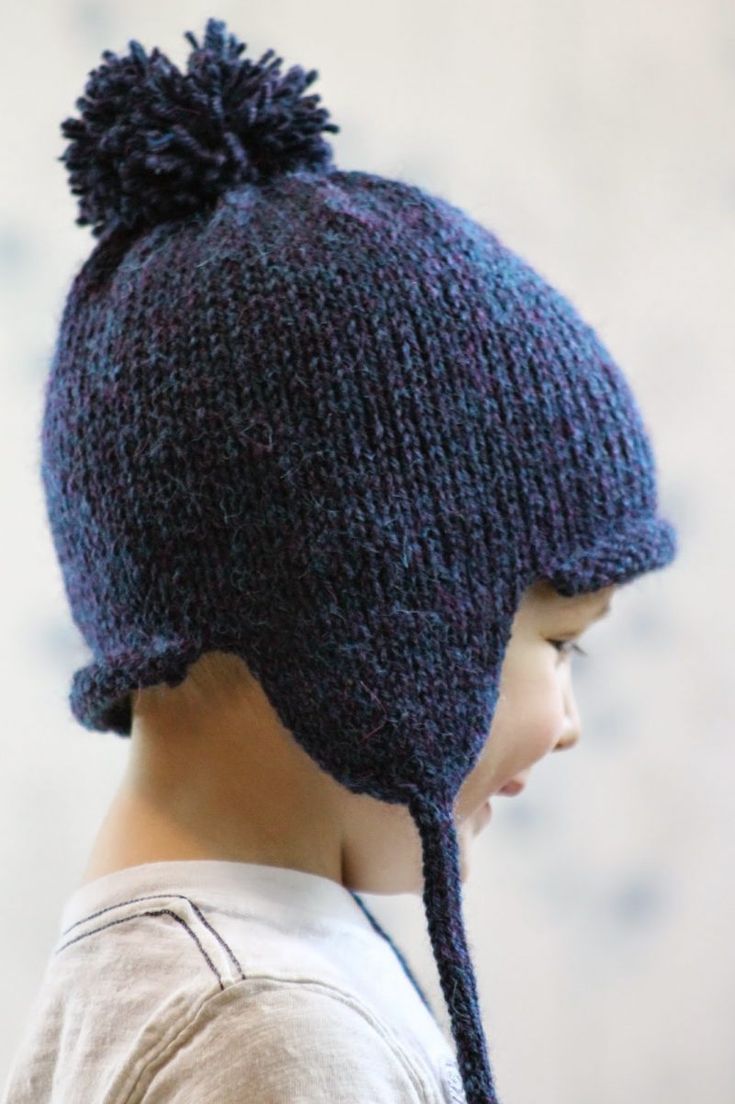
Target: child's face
536,713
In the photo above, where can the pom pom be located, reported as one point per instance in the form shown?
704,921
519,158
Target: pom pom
153,143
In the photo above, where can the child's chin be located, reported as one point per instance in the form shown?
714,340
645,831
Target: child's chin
480,816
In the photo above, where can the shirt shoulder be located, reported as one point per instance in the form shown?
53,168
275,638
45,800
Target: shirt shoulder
273,1041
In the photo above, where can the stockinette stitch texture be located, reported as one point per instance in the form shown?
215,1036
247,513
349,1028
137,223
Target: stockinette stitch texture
328,422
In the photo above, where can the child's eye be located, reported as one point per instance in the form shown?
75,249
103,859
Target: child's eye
567,646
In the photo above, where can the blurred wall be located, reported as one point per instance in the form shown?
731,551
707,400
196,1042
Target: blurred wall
596,140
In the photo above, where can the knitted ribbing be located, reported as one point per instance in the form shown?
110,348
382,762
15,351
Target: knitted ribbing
330,423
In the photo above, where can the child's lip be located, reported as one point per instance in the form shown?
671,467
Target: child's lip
514,785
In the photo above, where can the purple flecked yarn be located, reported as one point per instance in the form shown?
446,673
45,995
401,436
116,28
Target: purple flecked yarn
328,422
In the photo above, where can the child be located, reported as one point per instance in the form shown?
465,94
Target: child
336,481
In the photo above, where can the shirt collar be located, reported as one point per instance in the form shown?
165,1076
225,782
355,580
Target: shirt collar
295,898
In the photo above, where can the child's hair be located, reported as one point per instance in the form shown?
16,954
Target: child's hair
325,421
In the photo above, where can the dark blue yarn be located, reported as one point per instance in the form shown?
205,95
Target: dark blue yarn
327,422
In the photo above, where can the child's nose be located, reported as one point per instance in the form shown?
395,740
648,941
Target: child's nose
572,730
568,739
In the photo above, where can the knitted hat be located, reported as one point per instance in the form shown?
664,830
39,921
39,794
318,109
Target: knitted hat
325,421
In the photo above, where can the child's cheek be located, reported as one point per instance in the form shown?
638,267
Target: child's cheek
543,728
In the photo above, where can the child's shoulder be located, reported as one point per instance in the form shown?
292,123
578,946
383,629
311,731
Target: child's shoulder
287,1038
159,994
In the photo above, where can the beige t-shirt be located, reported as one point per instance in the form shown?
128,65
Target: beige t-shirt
226,983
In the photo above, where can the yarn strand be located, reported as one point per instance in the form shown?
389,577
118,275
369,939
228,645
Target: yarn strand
443,906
